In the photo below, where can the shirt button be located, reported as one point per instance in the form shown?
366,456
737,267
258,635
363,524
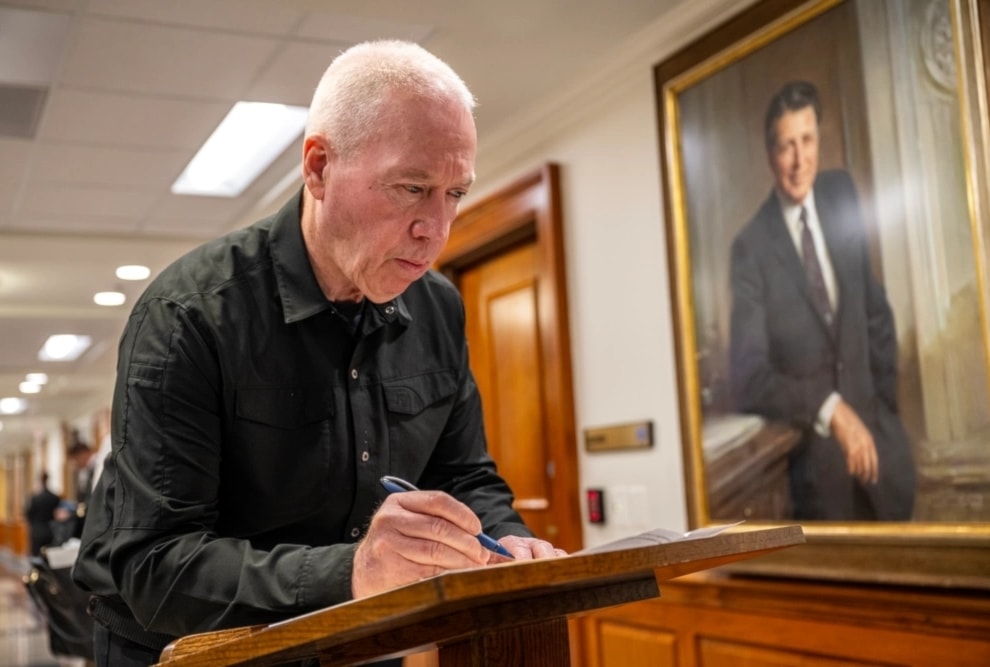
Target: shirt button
365,456
389,309
355,532
354,374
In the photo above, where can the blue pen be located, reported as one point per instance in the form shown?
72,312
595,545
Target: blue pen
398,485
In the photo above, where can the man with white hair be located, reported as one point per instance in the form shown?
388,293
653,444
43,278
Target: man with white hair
269,379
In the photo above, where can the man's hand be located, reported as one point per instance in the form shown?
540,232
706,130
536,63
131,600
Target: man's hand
857,444
413,536
528,548
420,534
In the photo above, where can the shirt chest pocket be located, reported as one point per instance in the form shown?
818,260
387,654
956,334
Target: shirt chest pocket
418,408
279,455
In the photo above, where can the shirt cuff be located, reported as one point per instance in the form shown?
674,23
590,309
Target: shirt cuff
822,425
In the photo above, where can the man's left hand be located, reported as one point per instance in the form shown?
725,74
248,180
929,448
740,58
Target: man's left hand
527,548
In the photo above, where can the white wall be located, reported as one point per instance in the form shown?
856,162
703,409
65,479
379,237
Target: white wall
603,134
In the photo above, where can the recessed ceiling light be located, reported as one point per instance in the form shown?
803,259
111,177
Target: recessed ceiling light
109,298
12,405
29,387
64,347
37,378
133,272
248,139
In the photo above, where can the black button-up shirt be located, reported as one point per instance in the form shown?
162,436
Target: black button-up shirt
251,423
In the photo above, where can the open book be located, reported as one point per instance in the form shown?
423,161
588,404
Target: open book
656,536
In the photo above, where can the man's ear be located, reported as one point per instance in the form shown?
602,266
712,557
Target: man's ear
315,164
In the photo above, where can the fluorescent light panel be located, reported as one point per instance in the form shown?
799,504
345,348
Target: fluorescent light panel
245,143
12,405
64,347
132,272
109,298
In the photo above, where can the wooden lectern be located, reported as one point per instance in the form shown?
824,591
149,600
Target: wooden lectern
498,616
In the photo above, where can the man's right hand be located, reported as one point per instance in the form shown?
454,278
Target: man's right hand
415,535
857,444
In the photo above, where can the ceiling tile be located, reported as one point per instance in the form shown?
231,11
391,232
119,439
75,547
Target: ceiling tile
125,56
252,16
213,209
179,227
292,75
31,45
115,168
43,284
86,202
14,155
7,198
64,6
24,355
130,120
350,29
75,224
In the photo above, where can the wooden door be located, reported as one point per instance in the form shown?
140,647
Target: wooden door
506,255
503,337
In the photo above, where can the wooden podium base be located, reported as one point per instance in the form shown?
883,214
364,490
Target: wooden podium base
543,643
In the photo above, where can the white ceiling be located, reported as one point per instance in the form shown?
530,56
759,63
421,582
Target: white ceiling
137,85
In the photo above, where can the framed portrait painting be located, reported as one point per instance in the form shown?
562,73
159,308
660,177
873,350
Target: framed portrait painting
825,177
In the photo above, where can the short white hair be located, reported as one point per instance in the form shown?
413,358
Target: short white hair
348,100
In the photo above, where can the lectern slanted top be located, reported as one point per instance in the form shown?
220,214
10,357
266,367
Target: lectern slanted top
508,614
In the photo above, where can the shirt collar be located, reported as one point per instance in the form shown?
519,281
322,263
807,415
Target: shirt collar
297,286
792,212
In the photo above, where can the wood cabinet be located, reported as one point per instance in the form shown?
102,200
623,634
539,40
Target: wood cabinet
714,620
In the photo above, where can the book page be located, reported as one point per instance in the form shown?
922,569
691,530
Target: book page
656,536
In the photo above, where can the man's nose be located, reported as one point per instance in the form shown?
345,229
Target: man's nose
797,156
434,218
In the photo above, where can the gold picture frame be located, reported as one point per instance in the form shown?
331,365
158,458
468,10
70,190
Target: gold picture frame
903,88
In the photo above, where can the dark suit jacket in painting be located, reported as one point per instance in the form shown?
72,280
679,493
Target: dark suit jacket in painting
785,362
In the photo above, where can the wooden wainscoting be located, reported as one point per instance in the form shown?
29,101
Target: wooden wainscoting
711,620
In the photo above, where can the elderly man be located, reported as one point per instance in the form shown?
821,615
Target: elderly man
269,379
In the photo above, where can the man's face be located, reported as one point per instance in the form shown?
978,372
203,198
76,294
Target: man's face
386,211
794,155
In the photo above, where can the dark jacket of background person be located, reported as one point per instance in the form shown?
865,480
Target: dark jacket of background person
40,512
784,362
250,462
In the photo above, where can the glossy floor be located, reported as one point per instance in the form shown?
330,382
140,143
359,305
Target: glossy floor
23,631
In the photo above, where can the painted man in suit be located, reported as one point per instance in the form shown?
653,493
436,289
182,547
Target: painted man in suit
812,341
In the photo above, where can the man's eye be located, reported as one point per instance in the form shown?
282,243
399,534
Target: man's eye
413,189
458,194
